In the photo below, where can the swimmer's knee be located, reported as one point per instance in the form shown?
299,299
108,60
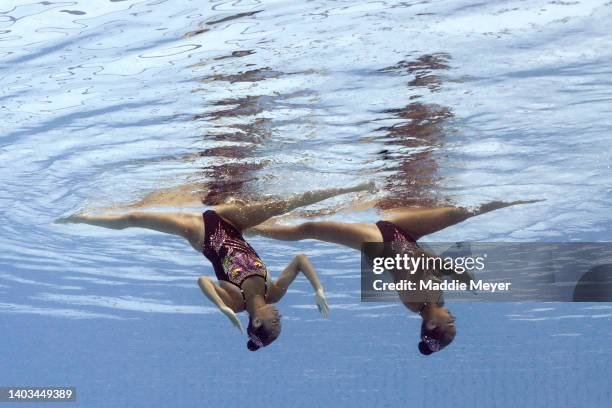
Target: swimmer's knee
133,219
307,229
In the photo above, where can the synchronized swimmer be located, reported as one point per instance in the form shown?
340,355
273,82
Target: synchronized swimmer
217,233
400,232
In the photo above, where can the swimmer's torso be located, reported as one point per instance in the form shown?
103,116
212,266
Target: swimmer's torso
398,241
233,259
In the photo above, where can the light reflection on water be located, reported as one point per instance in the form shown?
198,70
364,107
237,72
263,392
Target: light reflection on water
438,102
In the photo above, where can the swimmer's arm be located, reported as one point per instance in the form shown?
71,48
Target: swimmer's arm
221,299
214,293
299,264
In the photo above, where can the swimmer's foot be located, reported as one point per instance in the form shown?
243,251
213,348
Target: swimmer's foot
524,202
72,219
496,205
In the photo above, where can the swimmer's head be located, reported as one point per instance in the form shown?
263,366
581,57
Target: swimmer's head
437,330
264,327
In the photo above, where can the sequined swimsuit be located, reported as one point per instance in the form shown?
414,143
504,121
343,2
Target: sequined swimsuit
401,242
233,259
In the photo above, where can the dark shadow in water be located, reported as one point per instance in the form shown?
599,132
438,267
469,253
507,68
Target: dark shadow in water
595,285
73,119
410,143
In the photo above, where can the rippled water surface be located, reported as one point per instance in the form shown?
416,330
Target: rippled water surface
459,102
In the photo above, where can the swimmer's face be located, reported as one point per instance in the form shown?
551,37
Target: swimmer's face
437,330
264,327
441,317
265,315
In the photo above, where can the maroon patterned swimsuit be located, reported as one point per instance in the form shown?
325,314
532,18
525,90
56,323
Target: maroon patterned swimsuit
233,259
401,242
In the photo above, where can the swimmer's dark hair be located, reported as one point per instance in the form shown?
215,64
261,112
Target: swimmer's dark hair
442,335
265,334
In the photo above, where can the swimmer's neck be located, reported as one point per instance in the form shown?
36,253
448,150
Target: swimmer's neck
419,308
254,290
426,310
254,302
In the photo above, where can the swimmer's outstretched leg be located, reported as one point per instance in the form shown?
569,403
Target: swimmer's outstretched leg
421,222
185,224
249,215
190,225
185,195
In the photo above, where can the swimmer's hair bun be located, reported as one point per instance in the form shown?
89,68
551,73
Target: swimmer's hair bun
424,348
252,346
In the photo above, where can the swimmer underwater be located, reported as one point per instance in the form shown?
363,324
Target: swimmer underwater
244,283
400,230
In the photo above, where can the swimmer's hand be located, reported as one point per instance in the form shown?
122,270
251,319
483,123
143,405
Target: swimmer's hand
233,318
321,302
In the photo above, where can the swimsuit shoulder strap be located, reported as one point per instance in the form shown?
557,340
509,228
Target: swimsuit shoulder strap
210,217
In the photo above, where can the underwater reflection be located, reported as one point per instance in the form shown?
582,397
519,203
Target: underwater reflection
423,68
410,144
208,25
241,124
253,75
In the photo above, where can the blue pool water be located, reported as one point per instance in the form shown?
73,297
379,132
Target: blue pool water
436,101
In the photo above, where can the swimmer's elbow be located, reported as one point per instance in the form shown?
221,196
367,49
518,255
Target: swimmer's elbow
203,281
